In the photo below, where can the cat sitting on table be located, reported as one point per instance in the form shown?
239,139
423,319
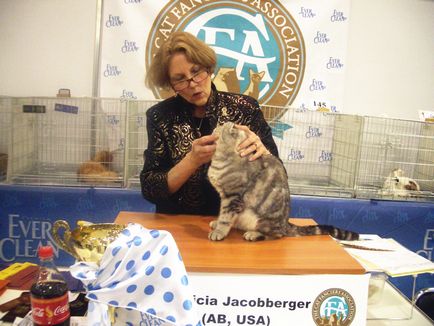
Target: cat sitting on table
98,170
255,195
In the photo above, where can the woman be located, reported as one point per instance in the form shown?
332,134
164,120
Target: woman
180,143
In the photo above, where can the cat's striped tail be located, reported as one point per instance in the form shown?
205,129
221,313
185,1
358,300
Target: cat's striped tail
322,229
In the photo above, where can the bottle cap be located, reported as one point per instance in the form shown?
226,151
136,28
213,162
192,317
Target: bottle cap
45,252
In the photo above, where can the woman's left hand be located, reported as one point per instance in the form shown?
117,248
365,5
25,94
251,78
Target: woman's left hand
251,145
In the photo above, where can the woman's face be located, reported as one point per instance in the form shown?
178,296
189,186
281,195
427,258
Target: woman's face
180,69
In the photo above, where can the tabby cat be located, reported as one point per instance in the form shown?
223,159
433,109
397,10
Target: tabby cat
255,194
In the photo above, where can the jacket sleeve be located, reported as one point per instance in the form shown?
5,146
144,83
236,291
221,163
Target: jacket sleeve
153,178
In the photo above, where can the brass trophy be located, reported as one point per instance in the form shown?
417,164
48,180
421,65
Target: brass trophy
88,241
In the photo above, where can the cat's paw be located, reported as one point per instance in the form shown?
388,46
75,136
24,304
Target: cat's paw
216,235
253,236
213,224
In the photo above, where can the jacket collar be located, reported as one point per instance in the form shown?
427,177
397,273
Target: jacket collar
211,106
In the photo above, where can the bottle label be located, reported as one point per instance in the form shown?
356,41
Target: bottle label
50,311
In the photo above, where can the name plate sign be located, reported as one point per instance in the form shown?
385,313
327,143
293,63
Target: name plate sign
275,300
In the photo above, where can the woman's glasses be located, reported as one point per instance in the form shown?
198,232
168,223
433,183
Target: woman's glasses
197,78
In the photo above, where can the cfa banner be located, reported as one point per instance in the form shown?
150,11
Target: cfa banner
283,53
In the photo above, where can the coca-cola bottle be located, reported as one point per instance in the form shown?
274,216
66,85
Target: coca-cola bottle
49,294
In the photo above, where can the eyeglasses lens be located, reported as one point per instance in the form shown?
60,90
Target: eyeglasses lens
201,75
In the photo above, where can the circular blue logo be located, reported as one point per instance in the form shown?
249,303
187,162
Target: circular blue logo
259,46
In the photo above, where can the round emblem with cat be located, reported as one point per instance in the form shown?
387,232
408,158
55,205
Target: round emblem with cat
259,46
334,307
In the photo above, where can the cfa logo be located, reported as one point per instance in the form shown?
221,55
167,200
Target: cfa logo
334,307
259,46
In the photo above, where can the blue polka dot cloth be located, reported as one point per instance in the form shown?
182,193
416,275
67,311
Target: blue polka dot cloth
143,277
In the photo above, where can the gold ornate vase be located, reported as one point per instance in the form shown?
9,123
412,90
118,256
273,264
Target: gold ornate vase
87,242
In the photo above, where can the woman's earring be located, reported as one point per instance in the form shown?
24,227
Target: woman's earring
176,94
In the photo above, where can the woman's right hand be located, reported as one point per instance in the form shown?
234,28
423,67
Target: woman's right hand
202,150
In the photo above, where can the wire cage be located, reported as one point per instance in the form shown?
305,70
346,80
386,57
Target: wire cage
5,135
396,160
319,149
100,142
137,141
67,141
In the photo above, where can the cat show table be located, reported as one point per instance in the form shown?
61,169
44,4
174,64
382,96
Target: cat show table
290,281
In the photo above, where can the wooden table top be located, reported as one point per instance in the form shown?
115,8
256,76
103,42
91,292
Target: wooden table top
300,255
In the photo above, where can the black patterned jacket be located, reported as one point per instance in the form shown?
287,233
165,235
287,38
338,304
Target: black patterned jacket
171,131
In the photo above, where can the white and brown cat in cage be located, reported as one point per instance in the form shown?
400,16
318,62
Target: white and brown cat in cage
398,185
98,169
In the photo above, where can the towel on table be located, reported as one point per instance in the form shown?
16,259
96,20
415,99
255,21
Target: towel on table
141,271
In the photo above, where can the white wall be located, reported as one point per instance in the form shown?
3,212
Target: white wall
46,45
390,69
49,44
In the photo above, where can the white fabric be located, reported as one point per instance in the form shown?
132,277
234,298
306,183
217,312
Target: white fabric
141,272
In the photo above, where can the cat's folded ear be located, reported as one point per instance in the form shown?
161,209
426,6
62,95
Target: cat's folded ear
397,172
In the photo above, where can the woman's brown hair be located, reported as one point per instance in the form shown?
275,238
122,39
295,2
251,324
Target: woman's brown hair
194,49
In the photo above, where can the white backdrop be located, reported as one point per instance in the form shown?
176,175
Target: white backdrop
297,47
47,45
